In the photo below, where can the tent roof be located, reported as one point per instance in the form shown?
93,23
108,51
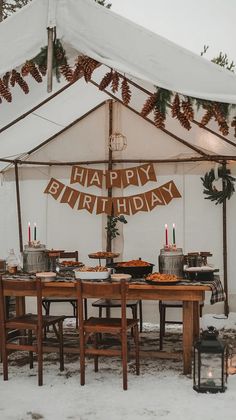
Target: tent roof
143,54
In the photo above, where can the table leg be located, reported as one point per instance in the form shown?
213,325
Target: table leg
196,321
187,336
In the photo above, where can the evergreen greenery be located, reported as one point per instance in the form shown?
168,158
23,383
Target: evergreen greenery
111,227
227,185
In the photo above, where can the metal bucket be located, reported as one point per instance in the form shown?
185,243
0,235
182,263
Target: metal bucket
35,260
171,262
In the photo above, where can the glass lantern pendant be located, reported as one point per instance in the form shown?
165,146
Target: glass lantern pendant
210,363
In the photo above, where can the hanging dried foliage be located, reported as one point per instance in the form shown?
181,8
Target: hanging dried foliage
4,92
125,91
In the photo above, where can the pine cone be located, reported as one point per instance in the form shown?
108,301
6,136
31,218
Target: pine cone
4,92
43,69
35,73
125,91
106,80
78,70
175,106
21,82
149,104
224,128
67,72
115,82
183,121
89,66
13,78
187,109
6,79
219,117
207,117
233,124
25,69
159,118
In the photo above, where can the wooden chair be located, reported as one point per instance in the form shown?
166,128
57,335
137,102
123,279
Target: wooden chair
34,325
163,305
116,303
73,302
98,326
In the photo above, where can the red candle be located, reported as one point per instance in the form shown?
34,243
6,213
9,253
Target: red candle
29,233
166,234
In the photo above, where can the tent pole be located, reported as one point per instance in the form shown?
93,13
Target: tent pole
226,303
18,206
50,59
109,192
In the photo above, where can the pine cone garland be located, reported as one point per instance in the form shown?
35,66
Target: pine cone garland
106,80
115,82
25,69
175,106
159,118
4,92
78,71
21,82
13,78
35,73
187,109
89,66
224,128
67,72
125,91
149,104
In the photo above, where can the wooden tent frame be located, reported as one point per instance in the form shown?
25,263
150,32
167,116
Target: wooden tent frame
110,161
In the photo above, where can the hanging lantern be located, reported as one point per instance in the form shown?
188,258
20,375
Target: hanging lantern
118,142
210,363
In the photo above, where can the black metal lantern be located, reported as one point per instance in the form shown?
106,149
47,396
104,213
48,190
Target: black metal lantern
210,363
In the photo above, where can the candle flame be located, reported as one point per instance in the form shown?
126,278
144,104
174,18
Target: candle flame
29,224
210,374
173,225
166,226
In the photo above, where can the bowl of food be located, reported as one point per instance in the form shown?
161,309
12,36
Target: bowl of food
47,276
92,273
136,268
120,276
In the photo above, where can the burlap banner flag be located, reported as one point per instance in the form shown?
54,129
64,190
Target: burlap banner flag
54,188
138,203
114,178
120,205
169,191
87,202
154,198
78,174
104,205
146,173
70,196
95,177
129,177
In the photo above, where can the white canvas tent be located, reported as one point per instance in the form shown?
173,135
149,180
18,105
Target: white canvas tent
76,121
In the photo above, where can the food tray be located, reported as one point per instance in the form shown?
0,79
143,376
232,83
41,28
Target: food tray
92,275
103,255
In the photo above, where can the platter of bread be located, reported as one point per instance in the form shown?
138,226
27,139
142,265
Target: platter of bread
103,255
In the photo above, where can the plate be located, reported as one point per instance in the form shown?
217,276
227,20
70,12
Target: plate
103,255
203,269
92,275
163,283
47,276
119,276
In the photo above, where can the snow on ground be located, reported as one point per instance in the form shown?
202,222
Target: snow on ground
160,392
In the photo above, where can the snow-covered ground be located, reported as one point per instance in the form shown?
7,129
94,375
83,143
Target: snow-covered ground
160,392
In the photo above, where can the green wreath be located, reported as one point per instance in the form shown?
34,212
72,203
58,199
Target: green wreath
211,191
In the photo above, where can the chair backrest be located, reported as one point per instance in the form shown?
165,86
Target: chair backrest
105,290
70,254
9,287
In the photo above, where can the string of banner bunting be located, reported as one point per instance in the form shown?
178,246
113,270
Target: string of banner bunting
115,178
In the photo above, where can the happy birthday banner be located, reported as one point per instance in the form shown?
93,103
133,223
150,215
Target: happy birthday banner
119,178
121,205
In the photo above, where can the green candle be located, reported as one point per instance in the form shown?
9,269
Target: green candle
173,234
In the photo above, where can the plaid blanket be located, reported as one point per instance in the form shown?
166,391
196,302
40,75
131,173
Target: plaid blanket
217,291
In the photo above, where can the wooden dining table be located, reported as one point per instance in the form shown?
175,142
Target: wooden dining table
190,295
